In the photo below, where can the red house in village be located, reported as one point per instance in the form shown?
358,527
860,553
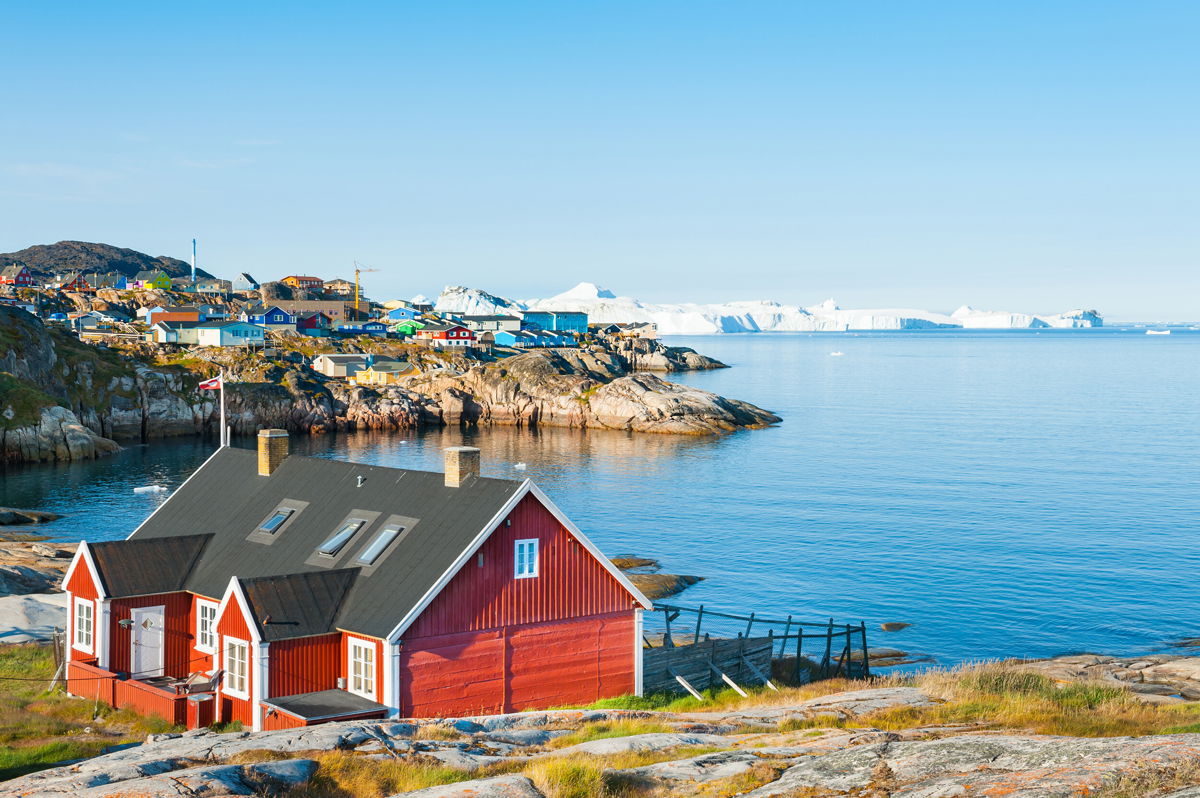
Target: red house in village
17,275
283,591
445,335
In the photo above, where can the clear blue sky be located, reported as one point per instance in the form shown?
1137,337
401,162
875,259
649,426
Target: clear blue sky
1012,155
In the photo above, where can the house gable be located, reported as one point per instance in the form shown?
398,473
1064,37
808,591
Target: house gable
481,591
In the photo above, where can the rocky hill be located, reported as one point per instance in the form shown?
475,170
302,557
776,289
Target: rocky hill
61,399
47,259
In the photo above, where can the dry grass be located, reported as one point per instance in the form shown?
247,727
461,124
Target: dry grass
437,731
625,727
341,774
345,774
1150,778
1008,697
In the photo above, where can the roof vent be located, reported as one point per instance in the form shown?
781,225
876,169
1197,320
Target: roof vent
462,462
361,480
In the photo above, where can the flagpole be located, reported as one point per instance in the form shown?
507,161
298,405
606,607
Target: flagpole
224,436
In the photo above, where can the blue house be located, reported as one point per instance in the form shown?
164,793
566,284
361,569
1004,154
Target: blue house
363,328
269,317
402,314
519,339
555,320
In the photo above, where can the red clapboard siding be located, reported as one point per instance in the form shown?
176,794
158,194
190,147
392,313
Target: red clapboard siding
233,624
527,667
177,634
570,662
570,584
304,665
281,720
80,585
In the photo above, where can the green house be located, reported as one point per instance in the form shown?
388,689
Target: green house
409,327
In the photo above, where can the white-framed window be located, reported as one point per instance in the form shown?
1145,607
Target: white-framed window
526,557
362,668
206,626
85,625
237,668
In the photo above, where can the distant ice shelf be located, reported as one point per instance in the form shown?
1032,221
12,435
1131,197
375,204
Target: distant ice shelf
604,307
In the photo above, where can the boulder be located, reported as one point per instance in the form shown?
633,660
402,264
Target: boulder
509,786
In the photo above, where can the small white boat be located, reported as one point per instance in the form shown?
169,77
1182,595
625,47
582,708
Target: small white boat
519,466
1158,332
836,354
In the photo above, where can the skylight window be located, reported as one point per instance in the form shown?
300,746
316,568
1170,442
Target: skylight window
341,537
386,535
272,524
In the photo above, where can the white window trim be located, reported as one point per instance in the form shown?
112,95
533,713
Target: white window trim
244,694
90,646
537,560
211,647
355,644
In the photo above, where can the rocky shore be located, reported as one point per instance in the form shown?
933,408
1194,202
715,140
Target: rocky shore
825,746
61,399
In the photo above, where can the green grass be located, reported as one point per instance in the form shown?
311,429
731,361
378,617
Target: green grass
21,403
39,729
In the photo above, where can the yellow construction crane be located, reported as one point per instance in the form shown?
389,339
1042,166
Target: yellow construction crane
359,268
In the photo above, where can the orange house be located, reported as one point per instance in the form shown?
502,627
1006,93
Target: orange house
303,282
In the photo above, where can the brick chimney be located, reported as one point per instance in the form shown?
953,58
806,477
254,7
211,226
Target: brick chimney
461,462
272,449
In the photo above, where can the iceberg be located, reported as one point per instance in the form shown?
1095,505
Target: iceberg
605,307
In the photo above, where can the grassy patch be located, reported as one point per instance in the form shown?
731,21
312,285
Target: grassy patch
21,403
1008,697
603,730
39,729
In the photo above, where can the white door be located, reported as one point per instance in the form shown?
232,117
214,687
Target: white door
146,657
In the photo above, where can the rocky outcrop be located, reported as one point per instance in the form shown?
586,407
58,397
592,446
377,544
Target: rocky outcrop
546,388
56,435
31,566
747,752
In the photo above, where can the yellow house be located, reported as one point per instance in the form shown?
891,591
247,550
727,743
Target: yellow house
382,374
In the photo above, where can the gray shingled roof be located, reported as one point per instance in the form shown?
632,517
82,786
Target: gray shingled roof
149,566
228,498
298,605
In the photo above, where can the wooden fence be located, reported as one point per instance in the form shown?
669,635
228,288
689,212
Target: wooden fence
829,646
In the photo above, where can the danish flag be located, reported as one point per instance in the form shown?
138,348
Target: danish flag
211,385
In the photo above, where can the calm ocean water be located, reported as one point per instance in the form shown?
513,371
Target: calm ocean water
1008,493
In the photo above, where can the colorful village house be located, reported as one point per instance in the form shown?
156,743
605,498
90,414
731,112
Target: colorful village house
17,274
282,591
315,324
382,373
446,335
152,279
303,282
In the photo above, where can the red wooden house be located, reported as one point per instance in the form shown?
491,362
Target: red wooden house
446,335
73,281
312,590
18,275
